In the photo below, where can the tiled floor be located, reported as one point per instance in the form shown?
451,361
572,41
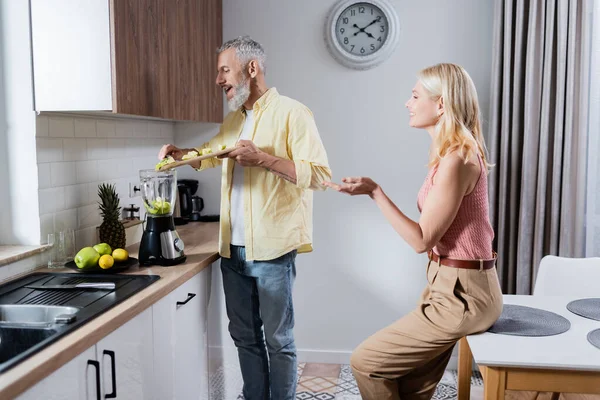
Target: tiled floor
328,382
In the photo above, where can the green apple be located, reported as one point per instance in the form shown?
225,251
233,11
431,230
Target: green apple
87,258
103,248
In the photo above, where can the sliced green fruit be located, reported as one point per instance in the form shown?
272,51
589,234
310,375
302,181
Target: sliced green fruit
190,154
164,161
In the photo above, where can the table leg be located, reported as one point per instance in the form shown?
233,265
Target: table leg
464,369
494,384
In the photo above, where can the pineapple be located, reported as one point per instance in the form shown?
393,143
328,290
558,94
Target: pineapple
112,230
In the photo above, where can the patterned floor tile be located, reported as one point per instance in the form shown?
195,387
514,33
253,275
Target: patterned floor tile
317,384
324,370
327,388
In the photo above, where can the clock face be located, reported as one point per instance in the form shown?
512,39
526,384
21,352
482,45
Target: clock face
361,29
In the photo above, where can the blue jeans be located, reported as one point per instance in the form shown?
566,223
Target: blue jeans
259,294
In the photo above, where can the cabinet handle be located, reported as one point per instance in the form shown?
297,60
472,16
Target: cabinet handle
111,354
96,365
190,296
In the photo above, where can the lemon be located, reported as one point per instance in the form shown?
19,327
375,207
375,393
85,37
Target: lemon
106,261
120,255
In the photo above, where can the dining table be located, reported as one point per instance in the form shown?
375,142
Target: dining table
562,363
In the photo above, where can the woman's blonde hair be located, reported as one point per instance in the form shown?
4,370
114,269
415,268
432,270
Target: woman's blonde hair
459,127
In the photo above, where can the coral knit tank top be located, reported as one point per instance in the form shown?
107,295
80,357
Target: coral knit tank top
470,235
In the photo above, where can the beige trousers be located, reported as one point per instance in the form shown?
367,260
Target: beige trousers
407,359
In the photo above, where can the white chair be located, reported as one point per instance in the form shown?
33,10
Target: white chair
562,276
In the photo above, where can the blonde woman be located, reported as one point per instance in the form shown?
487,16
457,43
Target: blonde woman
407,359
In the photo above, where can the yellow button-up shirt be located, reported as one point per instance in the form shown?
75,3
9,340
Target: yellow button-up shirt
277,213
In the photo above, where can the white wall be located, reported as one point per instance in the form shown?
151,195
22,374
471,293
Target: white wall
361,276
19,217
77,153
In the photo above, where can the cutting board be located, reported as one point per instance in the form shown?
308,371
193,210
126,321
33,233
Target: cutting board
196,159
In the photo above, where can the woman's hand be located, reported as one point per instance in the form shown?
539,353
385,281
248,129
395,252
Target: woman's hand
354,186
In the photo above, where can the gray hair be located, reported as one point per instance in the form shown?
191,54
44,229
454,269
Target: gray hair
246,50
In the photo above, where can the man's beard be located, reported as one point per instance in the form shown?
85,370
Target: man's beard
242,94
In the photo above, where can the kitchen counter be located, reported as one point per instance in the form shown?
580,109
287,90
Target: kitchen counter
201,248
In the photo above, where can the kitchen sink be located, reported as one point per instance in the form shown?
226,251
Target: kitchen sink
16,341
36,315
31,319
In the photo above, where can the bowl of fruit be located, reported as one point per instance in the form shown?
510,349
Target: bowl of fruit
101,258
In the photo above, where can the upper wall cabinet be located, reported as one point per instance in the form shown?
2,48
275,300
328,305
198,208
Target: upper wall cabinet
154,58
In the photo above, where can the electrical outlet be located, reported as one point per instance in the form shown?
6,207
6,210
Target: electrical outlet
134,189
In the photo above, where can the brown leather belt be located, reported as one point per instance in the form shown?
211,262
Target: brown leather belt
467,264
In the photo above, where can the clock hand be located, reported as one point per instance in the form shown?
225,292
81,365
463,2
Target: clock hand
372,22
363,29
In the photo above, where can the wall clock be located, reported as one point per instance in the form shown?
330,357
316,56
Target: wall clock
362,34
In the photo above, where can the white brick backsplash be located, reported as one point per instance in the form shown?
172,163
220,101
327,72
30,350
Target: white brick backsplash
88,216
41,126
87,171
125,167
85,128
61,127
140,129
49,150
65,220
97,149
116,148
144,163
85,237
108,169
154,129
93,193
75,149
63,174
44,176
76,154
76,196
141,148
46,226
51,200
105,128
124,129
167,130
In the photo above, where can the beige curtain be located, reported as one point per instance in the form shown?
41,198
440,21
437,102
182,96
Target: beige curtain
537,134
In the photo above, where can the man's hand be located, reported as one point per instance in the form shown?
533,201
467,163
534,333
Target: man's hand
170,150
247,154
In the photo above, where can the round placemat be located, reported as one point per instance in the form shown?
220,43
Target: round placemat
588,308
527,321
594,337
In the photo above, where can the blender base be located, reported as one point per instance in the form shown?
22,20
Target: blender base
160,244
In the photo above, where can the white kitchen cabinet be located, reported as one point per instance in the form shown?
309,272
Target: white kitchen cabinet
151,58
160,354
126,357
76,380
126,354
180,341
71,55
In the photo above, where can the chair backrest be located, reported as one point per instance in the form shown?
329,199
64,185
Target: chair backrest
561,276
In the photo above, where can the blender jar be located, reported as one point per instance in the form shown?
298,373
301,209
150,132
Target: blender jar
158,192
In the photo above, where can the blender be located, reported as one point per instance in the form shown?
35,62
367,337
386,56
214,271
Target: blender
160,243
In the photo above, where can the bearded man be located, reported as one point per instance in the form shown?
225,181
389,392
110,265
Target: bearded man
266,214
